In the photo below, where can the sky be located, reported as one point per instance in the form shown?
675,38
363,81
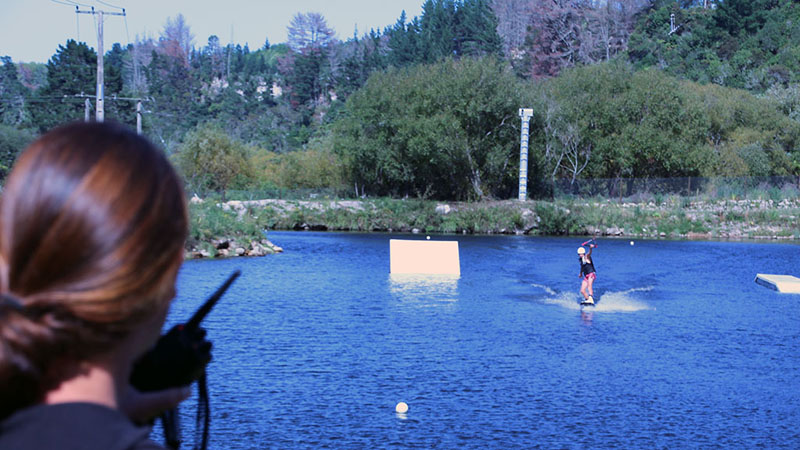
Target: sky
32,30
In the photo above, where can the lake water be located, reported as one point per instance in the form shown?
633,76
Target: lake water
313,348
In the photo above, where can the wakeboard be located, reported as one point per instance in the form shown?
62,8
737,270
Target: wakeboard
588,302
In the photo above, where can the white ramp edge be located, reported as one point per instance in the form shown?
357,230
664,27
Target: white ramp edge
429,257
786,284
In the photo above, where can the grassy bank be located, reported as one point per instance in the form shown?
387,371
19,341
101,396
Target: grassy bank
667,217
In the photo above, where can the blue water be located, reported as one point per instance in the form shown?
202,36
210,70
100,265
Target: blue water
313,348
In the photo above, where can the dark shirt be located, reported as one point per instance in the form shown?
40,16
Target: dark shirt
587,267
73,426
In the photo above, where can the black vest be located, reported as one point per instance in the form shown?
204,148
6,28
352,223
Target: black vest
586,268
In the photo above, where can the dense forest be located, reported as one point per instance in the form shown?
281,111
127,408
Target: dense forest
428,107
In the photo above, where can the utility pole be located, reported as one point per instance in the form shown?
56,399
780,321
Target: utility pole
525,114
99,109
138,117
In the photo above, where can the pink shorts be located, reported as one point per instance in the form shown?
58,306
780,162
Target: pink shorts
591,276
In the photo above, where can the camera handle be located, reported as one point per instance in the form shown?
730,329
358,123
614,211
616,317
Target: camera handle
178,359
170,420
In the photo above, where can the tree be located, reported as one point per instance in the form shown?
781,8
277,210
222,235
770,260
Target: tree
306,77
447,130
176,40
113,62
477,29
211,61
173,85
455,28
741,16
210,159
306,70
566,150
12,142
309,31
32,75
624,123
513,17
138,56
13,104
72,70
404,43
565,33
114,82
647,124
738,43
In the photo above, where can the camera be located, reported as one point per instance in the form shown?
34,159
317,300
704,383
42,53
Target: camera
178,359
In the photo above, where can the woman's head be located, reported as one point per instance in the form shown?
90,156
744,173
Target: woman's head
92,226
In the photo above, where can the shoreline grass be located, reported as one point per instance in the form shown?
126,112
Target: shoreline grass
672,217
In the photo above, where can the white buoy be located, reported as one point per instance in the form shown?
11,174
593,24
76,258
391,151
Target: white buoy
401,408
631,242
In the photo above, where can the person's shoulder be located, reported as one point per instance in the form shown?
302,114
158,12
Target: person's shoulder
73,426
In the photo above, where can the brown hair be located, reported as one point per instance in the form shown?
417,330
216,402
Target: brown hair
92,225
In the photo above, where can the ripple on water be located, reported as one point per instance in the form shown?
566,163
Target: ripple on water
610,301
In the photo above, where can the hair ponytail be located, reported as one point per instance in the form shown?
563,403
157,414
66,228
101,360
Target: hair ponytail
24,344
92,225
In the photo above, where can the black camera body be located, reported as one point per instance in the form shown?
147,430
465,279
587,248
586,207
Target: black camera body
180,356
178,359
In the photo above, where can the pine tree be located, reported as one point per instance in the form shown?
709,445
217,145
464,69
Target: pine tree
13,105
741,16
72,70
477,29
438,29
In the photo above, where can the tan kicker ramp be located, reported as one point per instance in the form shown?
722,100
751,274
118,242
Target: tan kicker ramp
786,284
418,256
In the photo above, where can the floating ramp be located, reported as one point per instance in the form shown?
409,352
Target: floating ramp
786,284
424,257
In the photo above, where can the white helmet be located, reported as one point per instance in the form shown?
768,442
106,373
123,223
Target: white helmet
581,250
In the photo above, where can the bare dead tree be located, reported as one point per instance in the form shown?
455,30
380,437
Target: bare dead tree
565,149
176,39
309,30
135,62
575,153
513,17
563,33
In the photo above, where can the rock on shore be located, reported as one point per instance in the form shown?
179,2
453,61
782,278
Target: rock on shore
224,248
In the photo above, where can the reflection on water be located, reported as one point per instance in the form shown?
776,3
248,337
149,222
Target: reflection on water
587,315
424,289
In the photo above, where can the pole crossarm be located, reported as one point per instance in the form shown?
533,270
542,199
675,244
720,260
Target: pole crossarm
113,97
93,11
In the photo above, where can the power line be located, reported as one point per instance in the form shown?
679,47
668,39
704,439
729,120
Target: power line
127,34
77,20
74,3
50,98
109,4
